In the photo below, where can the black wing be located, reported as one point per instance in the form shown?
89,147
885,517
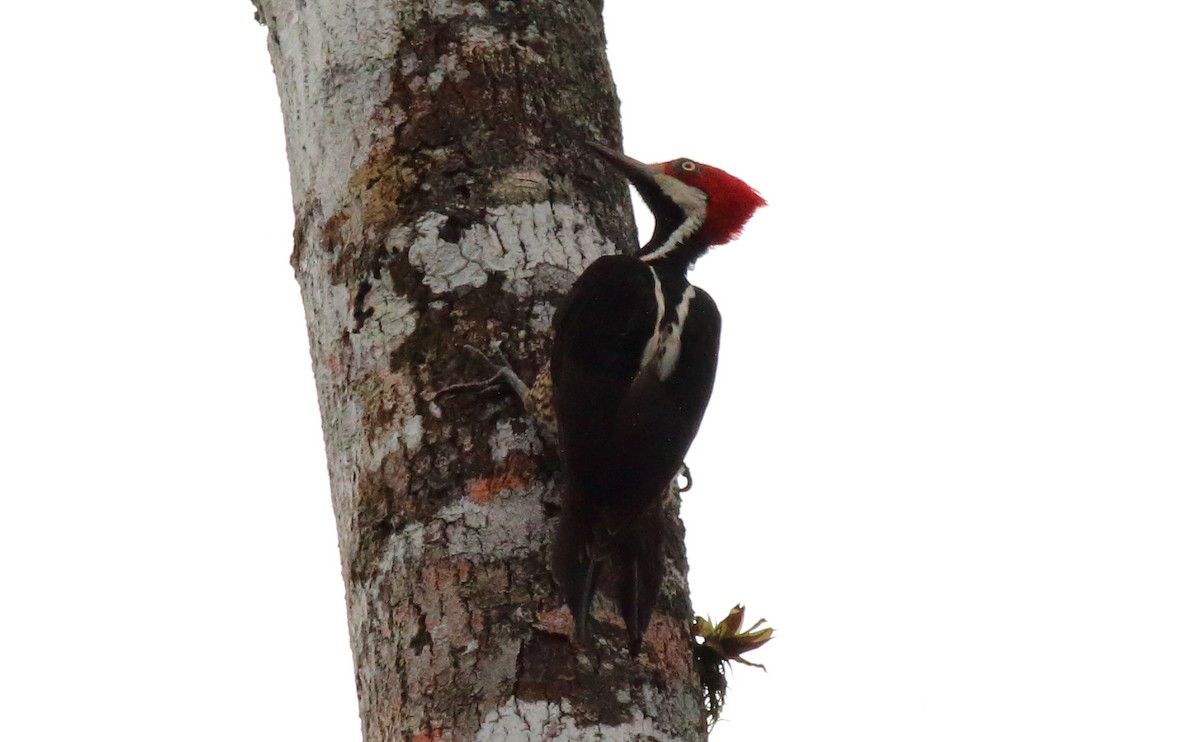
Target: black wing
624,430
600,333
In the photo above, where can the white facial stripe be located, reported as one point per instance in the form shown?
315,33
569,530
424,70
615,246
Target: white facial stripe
693,201
651,348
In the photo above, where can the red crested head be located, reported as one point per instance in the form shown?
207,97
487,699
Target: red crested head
695,206
730,204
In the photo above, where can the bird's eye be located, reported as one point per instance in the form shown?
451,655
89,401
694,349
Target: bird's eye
688,166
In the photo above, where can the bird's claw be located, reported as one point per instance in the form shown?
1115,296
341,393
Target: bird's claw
686,473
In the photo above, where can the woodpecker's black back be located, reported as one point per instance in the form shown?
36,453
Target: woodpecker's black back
633,364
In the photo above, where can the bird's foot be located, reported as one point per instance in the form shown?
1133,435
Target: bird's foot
686,473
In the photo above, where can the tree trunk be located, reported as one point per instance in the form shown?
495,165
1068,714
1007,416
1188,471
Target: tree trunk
443,198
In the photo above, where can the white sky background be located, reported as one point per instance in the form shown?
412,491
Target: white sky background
954,450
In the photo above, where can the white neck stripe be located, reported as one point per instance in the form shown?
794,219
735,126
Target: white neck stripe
652,344
661,353
672,338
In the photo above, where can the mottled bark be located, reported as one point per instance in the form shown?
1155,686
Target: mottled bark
443,198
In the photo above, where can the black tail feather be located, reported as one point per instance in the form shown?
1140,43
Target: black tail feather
634,555
575,568
640,567
580,600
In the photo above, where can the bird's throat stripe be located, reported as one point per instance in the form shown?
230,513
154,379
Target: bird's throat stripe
687,229
694,204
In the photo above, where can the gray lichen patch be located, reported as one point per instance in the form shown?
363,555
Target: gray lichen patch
504,440
521,720
413,431
382,318
450,9
450,265
405,548
514,241
541,317
501,529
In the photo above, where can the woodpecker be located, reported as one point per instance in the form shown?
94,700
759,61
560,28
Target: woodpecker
632,368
